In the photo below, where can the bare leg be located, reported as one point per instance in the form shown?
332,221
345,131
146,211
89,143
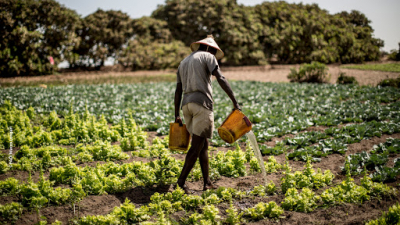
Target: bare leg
191,158
205,168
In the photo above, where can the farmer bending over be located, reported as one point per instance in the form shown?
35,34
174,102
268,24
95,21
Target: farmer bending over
194,81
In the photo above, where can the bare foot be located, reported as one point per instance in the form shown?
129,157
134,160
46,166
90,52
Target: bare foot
209,186
186,189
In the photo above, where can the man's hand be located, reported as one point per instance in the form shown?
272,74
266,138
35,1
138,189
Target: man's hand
236,106
178,120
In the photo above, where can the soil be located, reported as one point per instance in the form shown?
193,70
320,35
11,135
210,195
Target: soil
278,73
269,73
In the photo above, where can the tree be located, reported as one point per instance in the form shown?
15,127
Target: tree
103,35
232,25
364,46
152,46
35,33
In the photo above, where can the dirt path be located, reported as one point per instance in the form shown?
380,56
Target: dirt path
278,73
270,73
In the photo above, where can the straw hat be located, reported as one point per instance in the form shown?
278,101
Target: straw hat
210,42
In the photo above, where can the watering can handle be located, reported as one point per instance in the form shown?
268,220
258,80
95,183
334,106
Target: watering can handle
247,121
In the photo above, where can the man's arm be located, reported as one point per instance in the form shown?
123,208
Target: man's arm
178,98
225,86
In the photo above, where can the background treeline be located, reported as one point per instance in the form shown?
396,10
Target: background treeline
34,30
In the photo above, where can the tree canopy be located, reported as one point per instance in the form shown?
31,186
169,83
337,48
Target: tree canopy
33,31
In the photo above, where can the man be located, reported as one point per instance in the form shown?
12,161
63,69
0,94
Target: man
194,81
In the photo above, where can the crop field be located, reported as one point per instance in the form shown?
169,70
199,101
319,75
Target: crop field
98,154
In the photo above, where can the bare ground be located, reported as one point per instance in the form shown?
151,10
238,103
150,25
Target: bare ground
270,73
278,73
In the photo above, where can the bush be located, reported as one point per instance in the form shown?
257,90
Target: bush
343,79
393,55
311,73
390,82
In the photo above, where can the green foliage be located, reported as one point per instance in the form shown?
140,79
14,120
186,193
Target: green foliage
99,219
174,200
10,186
271,166
377,189
307,178
134,140
192,201
343,79
188,19
72,129
262,190
393,55
363,159
391,145
233,217
278,149
263,210
10,212
306,201
222,194
128,213
386,67
385,174
376,161
153,47
77,193
103,34
395,82
346,191
32,32
306,104
66,174
392,216
57,196
35,158
310,73
231,163
30,112
295,33
305,139
210,214
103,151
166,169
4,167
340,138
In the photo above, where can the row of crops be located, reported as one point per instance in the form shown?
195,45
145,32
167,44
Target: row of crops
91,141
276,109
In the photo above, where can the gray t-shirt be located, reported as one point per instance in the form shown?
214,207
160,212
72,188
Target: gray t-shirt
194,73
